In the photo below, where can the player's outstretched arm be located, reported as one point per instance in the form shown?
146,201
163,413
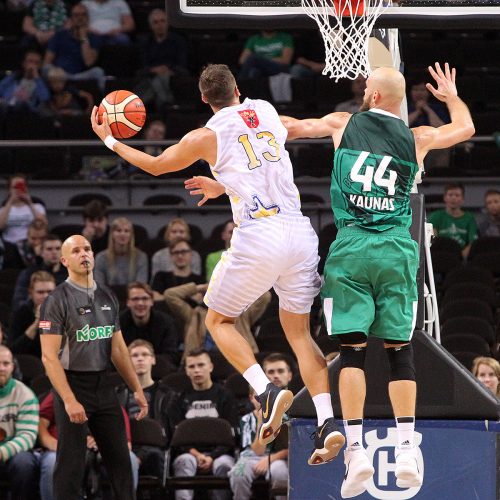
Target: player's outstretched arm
201,185
195,145
311,128
461,127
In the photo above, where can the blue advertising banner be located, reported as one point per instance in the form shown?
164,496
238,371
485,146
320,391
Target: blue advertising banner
458,459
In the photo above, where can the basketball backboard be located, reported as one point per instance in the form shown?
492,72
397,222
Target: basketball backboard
259,14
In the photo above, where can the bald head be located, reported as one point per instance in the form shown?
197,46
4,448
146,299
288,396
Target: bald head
73,241
385,89
77,255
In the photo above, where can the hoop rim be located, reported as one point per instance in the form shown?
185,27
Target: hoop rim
416,18
344,8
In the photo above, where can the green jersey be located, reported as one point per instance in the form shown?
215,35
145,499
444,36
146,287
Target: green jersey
374,169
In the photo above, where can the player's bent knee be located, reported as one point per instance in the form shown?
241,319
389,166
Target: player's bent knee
214,319
352,356
401,362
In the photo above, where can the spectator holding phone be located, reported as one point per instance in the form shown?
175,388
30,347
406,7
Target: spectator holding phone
19,211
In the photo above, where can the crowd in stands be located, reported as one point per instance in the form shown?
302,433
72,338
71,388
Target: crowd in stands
466,263
179,366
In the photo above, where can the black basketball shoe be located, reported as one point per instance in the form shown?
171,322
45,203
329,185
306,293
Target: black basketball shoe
328,441
274,402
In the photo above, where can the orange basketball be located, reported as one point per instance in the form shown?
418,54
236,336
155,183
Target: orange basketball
126,113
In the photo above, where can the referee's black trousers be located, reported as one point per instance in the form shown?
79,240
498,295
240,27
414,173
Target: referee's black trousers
106,424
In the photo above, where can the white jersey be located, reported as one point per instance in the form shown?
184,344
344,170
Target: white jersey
252,162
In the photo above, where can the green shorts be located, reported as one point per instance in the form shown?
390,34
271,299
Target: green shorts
371,284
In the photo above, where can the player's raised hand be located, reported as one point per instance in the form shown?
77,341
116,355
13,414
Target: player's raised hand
445,80
103,129
208,188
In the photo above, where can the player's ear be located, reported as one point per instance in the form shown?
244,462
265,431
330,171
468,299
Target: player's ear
204,99
237,92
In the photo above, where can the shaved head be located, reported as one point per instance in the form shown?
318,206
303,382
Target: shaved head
73,241
385,89
77,257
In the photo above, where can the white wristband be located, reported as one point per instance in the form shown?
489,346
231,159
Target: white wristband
110,141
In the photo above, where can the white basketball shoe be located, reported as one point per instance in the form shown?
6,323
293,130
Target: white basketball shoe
407,472
358,469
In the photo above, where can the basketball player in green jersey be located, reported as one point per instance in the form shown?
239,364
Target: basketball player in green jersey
370,273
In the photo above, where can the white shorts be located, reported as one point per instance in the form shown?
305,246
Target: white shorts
279,252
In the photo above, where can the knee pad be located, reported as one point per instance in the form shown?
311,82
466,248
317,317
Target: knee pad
401,362
352,356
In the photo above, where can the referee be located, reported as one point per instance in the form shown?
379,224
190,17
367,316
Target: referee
80,334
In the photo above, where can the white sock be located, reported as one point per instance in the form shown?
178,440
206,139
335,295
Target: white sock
354,433
256,377
406,430
323,404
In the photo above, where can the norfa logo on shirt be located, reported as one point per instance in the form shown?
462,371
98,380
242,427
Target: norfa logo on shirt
87,333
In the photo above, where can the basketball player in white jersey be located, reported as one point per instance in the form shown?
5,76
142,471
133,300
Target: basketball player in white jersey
274,245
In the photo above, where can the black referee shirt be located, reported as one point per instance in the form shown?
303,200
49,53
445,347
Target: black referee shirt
86,319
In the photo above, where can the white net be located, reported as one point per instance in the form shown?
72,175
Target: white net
345,26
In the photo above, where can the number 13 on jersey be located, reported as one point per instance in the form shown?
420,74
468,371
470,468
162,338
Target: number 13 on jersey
253,160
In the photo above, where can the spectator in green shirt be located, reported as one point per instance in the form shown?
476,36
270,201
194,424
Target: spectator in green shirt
453,222
266,54
214,257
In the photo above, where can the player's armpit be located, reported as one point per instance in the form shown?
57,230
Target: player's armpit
336,121
428,138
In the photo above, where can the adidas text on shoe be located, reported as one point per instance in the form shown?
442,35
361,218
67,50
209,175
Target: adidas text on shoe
407,472
274,402
358,470
328,441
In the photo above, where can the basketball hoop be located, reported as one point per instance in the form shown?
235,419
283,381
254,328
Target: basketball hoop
346,34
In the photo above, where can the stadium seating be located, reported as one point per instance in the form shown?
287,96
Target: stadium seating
205,431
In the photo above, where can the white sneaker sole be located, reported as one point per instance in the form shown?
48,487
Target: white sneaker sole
403,484
333,444
407,477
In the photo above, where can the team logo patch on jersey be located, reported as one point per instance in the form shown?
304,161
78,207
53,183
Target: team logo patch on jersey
260,210
45,325
250,118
